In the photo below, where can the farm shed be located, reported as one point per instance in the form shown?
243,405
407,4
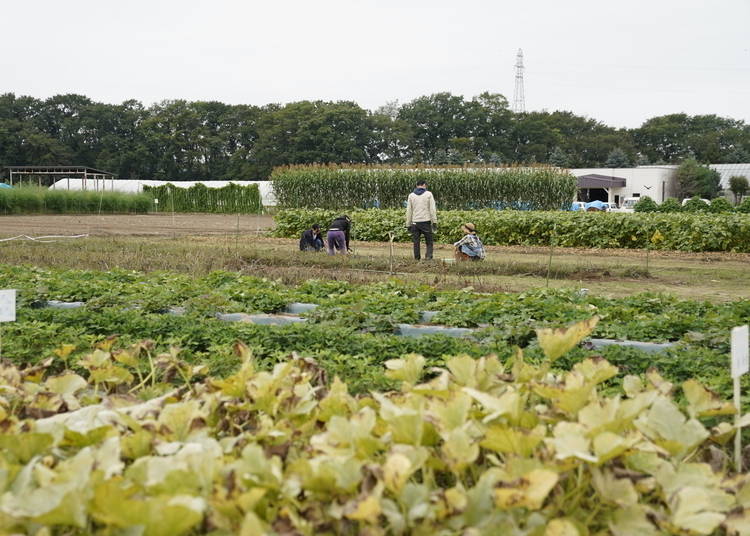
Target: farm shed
89,178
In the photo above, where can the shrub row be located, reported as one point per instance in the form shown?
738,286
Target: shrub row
34,200
683,232
346,186
232,198
719,205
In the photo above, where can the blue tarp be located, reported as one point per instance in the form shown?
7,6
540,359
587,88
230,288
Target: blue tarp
598,205
3,185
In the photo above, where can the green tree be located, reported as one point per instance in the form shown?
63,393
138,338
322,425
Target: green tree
738,185
309,132
617,158
694,179
708,138
558,158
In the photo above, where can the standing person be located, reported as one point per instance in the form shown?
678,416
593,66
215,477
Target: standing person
470,247
421,218
311,239
338,235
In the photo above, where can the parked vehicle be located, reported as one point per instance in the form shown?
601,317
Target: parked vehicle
628,204
706,201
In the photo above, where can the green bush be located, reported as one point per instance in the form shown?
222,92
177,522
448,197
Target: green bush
684,232
696,204
646,204
230,199
350,186
670,205
744,207
35,200
719,205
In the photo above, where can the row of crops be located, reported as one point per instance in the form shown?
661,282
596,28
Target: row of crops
465,188
132,305
229,199
117,418
35,200
682,232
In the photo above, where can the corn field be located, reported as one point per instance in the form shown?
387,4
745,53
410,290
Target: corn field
461,188
230,199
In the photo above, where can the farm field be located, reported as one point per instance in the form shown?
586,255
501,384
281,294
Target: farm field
117,414
139,407
709,276
131,225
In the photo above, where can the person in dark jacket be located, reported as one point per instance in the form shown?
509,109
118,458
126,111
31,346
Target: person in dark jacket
338,235
311,239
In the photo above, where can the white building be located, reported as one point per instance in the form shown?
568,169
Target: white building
612,185
731,170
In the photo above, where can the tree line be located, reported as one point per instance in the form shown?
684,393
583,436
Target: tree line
183,140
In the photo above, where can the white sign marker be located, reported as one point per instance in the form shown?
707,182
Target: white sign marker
8,305
740,351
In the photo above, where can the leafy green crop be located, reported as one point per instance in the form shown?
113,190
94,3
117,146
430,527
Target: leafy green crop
682,232
474,447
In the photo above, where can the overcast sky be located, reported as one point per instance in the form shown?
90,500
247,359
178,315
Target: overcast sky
618,62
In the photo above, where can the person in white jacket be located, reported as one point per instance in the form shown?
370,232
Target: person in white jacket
421,218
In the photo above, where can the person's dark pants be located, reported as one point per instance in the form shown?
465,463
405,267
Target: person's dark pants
420,228
336,242
317,245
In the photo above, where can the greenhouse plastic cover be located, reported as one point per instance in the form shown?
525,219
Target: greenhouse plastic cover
132,186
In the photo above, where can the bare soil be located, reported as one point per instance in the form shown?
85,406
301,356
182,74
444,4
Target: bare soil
132,224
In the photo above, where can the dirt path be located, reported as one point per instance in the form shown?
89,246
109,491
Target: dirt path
131,225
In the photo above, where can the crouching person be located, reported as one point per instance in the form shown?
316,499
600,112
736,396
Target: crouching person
311,239
338,235
470,247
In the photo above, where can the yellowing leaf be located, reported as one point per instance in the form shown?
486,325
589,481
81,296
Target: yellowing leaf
464,370
704,403
557,342
561,527
409,369
664,423
67,384
699,510
632,521
459,450
513,440
367,510
619,491
396,471
570,441
529,491
506,404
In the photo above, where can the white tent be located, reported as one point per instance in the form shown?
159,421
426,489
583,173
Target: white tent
136,186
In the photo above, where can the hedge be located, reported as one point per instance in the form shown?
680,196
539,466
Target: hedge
35,200
231,198
463,188
683,232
